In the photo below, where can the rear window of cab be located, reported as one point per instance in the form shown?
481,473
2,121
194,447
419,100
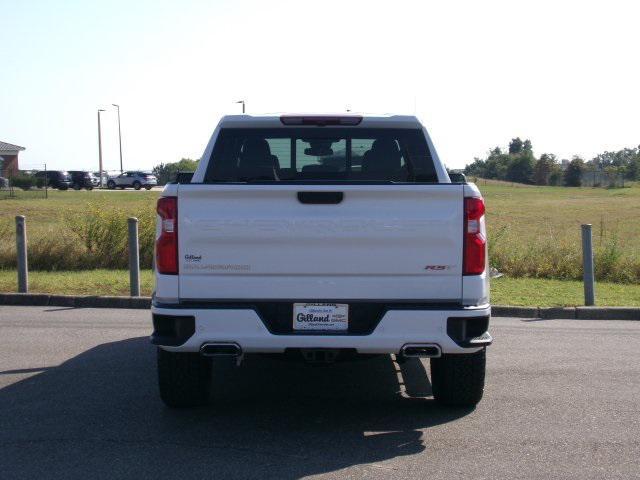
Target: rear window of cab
321,154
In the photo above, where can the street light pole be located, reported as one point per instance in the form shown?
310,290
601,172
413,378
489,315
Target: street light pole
100,145
242,102
119,135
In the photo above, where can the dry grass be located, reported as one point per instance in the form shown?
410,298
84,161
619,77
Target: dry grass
535,232
78,230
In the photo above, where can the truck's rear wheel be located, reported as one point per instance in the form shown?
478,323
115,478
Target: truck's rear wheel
184,378
458,380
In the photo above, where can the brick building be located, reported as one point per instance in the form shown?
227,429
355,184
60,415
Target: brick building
9,159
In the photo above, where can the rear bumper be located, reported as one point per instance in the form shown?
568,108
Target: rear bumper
460,330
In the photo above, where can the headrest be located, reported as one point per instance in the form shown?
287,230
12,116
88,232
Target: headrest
256,151
385,147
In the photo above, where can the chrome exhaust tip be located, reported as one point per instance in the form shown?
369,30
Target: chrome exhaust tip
421,350
222,349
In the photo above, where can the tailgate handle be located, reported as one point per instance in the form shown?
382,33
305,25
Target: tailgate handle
320,198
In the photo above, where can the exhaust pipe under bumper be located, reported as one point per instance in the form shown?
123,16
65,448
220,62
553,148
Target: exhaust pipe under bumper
224,349
421,350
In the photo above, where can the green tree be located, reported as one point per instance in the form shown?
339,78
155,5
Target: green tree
476,168
555,178
520,167
497,164
166,172
515,146
633,169
625,160
543,169
573,173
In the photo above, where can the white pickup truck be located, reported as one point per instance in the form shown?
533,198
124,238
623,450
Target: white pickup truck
321,237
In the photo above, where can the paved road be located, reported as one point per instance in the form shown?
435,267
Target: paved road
78,400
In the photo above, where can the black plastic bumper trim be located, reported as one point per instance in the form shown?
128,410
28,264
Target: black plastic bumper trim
365,315
172,330
469,332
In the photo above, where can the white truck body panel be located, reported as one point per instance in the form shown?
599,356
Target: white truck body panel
260,242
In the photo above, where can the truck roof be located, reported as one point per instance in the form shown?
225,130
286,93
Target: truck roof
274,120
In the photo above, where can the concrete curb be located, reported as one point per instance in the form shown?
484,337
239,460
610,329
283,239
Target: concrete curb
573,313
83,301
518,312
73,301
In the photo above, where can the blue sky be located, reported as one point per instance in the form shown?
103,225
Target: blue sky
564,73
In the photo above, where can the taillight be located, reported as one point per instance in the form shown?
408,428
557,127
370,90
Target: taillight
475,241
167,243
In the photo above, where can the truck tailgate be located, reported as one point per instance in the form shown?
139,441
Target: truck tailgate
390,242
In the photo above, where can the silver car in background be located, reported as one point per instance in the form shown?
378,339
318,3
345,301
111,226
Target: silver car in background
135,178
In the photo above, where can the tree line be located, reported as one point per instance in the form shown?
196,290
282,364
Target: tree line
520,165
167,172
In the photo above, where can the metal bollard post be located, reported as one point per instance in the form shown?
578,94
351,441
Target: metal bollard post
587,265
21,249
134,257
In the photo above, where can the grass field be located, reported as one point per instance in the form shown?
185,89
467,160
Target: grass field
533,231
78,230
87,282
504,291
52,214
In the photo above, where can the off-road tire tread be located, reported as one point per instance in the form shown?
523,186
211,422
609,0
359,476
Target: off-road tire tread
184,378
458,380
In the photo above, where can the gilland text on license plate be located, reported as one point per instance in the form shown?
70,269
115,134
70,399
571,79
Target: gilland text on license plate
320,316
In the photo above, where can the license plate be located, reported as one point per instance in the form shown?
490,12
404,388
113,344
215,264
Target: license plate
320,316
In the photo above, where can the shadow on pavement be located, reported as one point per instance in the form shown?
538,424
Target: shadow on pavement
98,415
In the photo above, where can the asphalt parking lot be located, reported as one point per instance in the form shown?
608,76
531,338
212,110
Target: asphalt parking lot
78,400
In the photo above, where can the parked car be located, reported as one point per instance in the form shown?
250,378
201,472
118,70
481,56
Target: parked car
59,179
81,179
135,179
4,182
106,175
272,250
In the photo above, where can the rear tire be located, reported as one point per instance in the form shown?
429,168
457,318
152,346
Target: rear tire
137,185
458,379
184,378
